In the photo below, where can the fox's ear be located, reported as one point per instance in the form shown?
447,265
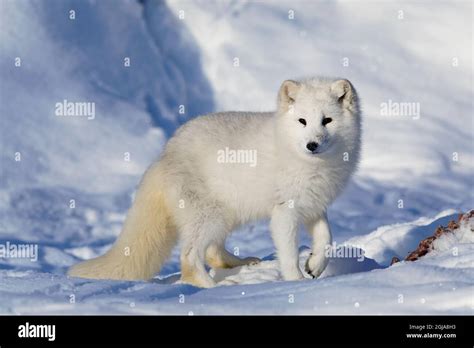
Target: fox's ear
287,93
343,91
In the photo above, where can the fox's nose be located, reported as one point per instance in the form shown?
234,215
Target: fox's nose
312,146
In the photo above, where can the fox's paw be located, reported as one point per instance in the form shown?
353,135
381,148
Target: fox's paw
316,264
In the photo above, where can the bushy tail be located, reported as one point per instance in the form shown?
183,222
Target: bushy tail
145,243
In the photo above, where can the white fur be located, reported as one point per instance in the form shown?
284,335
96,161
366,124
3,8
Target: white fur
188,194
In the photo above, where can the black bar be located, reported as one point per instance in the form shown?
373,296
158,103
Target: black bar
242,330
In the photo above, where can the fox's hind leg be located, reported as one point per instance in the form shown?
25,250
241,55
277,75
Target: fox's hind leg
202,228
193,270
218,257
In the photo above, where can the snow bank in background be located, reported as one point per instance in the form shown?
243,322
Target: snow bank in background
74,172
84,60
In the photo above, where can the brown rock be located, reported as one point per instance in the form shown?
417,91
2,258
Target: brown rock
394,260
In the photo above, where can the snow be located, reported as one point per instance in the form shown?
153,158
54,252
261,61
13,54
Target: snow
399,239
426,286
73,185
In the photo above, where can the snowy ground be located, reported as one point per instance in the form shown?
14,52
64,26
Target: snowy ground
73,184
441,282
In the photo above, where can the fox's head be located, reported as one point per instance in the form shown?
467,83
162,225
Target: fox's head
319,117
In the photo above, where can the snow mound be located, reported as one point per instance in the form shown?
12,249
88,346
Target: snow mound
268,270
463,233
398,240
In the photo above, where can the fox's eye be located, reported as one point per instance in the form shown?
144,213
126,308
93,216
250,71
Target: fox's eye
326,120
302,121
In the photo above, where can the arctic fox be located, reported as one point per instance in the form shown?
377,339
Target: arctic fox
302,156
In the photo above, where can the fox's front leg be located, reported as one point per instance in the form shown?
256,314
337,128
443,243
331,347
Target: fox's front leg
284,227
322,238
